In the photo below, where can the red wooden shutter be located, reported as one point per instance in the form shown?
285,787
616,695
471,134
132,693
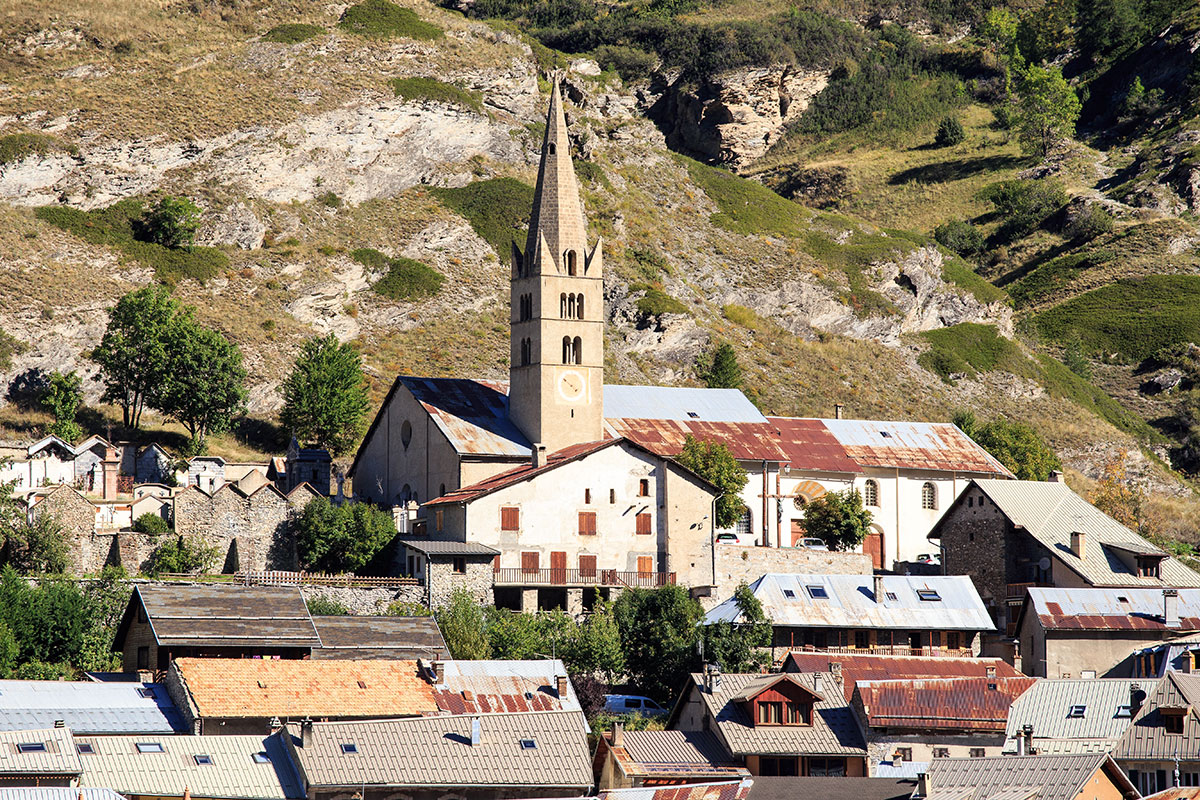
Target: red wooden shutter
529,562
496,564
645,564
587,523
643,523
587,566
558,567
510,518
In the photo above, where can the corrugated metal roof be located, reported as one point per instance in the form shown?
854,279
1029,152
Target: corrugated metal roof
405,637
224,614
913,445
976,704
505,686
1145,737
809,445
748,441
524,472
867,667
1054,777
1050,512
472,414
57,756
906,770
717,790
445,547
833,732
88,707
437,751
1046,704
850,602
825,788
56,793
662,748
234,774
682,403
1176,793
1110,609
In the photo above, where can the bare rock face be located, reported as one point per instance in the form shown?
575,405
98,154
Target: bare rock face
736,117
235,226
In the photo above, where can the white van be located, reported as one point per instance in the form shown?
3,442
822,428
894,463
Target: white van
632,704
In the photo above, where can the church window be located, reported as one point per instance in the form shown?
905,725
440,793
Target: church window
928,496
577,351
568,351
550,148
562,306
744,524
441,491
406,433
871,494
526,352
571,306
571,264
578,306
643,524
405,493
510,518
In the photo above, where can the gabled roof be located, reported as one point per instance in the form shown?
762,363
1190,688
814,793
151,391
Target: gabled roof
848,601
1046,706
973,704
867,667
666,755
254,688
1020,777
57,755
833,732
379,637
1145,737
437,751
88,707
1049,511
234,774
503,686
762,683
896,444
1092,609
222,615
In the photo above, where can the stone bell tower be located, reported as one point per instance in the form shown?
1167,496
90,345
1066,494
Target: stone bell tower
557,316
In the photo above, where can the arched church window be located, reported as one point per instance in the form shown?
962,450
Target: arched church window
526,352
871,494
562,306
577,350
578,306
405,434
405,493
928,497
551,148
570,262
567,350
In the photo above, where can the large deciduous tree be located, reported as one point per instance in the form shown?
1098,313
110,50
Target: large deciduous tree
715,463
1047,111
659,632
341,538
462,624
133,352
1014,444
62,397
838,519
204,385
325,397
736,645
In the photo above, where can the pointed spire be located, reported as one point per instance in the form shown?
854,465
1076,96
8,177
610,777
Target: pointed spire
557,213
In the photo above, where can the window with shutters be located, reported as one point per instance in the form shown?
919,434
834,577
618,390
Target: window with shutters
643,524
587,566
587,497
438,517
644,487
612,495
510,518
529,562
645,564
587,523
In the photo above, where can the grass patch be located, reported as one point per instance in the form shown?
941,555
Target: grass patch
383,20
330,200
746,207
740,315
591,173
656,302
19,146
498,210
292,33
10,346
434,91
1062,382
1133,317
959,272
970,348
1045,279
409,280
370,257
115,227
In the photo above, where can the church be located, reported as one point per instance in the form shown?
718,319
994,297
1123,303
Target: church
554,476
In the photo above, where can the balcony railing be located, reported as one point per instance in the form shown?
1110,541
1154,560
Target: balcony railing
518,576
889,650
1016,591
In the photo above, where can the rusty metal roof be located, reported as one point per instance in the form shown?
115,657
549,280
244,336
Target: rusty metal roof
871,667
809,445
472,414
975,704
1092,609
748,441
912,445
505,686
522,473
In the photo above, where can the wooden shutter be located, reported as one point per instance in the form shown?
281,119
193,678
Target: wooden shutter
587,523
645,564
643,524
558,567
587,566
496,564
510,518
529,562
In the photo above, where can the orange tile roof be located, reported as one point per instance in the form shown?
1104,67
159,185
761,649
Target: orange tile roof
249,687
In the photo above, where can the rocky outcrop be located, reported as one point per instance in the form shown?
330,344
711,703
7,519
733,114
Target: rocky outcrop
735,117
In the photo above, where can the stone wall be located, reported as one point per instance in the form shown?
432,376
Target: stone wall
366,601
77,515
737,563
253,532
442,581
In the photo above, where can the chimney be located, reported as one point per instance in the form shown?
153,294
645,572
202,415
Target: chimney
476,732
897,759
306,732
1171,608
618,734
990,671
880,597
1027,740
560,685
187,793
538,452
924,785
838,408
1056,476
275,724
712,678
439,671
835,670
1078,543
1136,696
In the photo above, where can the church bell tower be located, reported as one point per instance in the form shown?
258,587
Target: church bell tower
556,377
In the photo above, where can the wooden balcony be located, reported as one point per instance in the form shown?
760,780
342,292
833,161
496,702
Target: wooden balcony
1016,591
518,576
890,650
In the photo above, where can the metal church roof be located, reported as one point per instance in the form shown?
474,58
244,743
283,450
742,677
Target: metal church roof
679,403
473,415
848,601
88,707
912,445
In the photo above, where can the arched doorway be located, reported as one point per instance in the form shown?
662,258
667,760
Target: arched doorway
804,493
873,546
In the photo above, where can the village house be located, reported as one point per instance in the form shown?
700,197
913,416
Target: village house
1011,535
1181,654
788,724
39,757
936,615
89,707
848,669
473,757
1160,747
920,720
1065,633
635,759
1067,777
1059,717
305,465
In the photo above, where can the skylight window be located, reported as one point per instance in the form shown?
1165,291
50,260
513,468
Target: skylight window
1122,598
528,744
31,747
817,592
885,434
1076,712
928,594
890,595
349,747
85,748
1124,712
150,747
203,760
693,415
146,692
789,594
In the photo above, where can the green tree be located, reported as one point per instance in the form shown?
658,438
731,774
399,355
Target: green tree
1047,111
325,397
105,600
10,651
48,619
720,369
462,624
595,648
950,132
1015,445
183,555
516,636
736,645
150,523
999,30
172,222
1075,356
37,545
62,397
658,628
1108,27
838,519
341,538
204,387
133,352
715,463
960,236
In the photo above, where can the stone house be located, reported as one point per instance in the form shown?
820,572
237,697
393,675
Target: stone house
444,566
206,473
252,531
311,465
153,465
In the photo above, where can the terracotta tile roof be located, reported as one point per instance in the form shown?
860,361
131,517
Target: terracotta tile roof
504,686
977,704
295,688
870,667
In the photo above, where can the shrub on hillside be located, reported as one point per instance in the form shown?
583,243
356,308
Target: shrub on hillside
150,523
959,236
631,63
435,91
172,222
409,280
1087,222
292,33
497,210
949,133
18,146
656,302
382,19
1023,205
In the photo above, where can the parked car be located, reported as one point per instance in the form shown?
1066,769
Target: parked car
812,544
930,558
728,537
633,704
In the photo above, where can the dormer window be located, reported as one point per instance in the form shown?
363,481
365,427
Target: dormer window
1172,719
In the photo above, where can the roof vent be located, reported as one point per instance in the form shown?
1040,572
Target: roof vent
1171,608
476,732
